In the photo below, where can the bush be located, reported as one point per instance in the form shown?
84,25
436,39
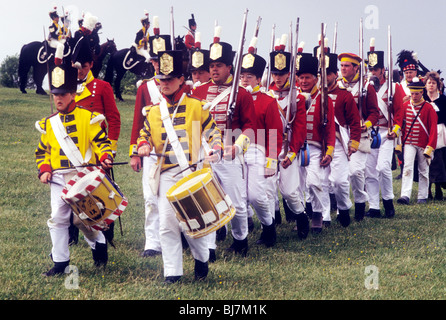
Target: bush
9,76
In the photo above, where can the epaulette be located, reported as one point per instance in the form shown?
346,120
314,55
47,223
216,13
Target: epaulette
41,124
145,110
96,117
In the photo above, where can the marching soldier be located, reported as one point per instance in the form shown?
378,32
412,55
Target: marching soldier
184,110
262,157
379,162
97,96
280,62
230,171
350,64
143,101
419,142
199,63
55,157
348,134
320,136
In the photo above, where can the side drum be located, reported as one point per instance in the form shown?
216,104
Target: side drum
94,198
200,204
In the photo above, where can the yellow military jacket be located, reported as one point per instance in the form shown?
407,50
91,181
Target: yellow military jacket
191,122
84,128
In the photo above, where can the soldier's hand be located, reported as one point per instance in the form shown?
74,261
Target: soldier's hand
45,177
213,156
391,135
135,163
326,160
230,153
144,150
285,163
351,150
107,164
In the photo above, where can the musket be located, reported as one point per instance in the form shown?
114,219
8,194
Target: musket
292,95
235,85
389,80
324,90
335,37
268,76
172,29
256,30
236,76
361,69
48,67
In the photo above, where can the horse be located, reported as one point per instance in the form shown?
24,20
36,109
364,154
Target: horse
125,60
31,55
116,65
107,48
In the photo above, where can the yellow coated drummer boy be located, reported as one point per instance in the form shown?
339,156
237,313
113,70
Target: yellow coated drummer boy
71,137
179,117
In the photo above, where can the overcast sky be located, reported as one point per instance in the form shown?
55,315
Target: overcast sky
416,25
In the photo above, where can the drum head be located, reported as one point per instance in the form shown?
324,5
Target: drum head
84,184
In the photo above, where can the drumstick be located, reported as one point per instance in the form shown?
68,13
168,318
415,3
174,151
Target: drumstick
53,182
97,165
194,164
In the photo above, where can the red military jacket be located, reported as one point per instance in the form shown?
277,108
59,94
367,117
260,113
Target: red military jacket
397,104
269,125
428,118
315,134
142,100
370,109
244,112
346,113
298,126
299,120
97,96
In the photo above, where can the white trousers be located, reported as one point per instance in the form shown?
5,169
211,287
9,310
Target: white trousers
151,212
257,185
357,176
378,171
230,176
60,221
170,231
411,153
290,186
339,177
314,176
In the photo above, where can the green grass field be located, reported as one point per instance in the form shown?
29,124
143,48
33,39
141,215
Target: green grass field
406,254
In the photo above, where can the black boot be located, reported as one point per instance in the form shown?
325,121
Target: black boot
289,215
239,246
316,223
333,202
268,236
303,225
277,217
373,213
344,217
201,270
309,210
57,269
359,211
389,208
100,254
